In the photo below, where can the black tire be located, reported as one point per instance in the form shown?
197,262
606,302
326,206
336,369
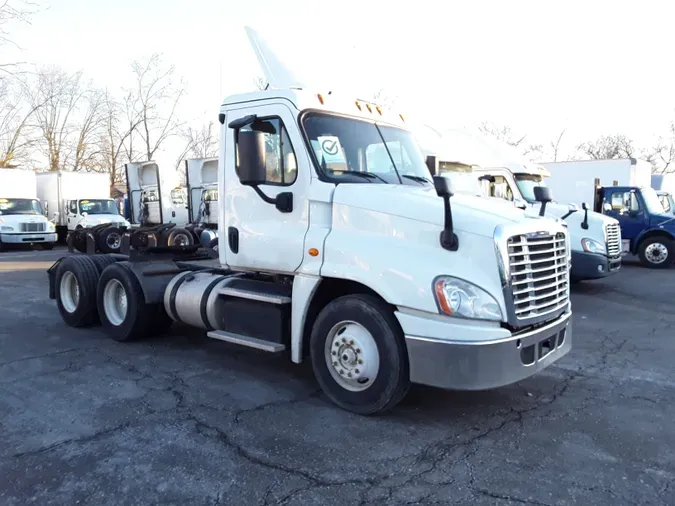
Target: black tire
109,240
649,254
79,240
47,246
392,381
102,261
212,243
141,319
84,270
177,236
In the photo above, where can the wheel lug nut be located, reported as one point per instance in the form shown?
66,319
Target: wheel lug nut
356,371
351,342
341,371
358,350
335,353
344,340
360,361
335,364
350,375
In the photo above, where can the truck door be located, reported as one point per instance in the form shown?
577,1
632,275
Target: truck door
628,210
72,214
256,234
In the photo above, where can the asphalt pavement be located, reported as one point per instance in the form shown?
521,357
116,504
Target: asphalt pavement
183,419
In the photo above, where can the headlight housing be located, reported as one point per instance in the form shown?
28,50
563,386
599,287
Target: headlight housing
50,226
592,246
459,298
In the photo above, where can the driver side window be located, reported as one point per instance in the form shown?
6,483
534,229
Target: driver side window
624,202
500,188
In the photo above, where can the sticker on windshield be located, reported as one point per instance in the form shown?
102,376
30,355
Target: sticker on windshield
4,201
84,201
332,153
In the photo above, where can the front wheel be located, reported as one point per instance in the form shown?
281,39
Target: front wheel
657,252
359,356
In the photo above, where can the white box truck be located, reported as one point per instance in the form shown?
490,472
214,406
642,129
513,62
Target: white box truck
377,275
78,200
22,215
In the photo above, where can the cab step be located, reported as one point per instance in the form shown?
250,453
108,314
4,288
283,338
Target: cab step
261,291
250,342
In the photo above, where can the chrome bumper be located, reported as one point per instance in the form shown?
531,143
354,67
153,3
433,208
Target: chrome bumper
488,364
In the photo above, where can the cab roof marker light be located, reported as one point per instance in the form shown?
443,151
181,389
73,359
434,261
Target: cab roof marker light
370,109
320,98
378,109
402,118
358,105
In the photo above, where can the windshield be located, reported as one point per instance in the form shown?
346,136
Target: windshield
20,206
526,184
98,206
357,151
652,201
461,176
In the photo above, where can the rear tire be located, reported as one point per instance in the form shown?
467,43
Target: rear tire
124,314
76,278
177,237
657,252
359,355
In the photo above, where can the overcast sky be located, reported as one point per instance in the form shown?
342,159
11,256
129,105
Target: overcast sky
592,67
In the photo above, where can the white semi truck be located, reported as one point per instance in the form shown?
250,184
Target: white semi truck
201,175
504,173
78,200
664,184
381,278
22,215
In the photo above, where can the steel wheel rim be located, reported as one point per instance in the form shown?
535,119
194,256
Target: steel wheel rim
351,356
115,302
113,240
181,240
656,253
70,292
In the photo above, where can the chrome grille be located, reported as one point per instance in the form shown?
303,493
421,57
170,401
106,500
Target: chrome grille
32,227
613,234
539,274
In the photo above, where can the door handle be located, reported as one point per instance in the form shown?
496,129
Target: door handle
233,239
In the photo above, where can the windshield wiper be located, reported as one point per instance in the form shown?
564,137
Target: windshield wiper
368,175
419,179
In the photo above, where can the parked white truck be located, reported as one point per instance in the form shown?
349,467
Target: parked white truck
78,200
22,215
504,173
380,277
201,176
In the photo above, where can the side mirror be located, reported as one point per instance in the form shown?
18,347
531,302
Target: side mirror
607,207
448,238
584,224
251,147
584,206
520,203
542,194
431,165
84,214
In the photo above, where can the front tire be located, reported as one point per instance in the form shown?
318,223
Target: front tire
359,356
124,314
657,252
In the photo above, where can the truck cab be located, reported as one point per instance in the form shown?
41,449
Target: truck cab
646,228
201,175
667,201
84,213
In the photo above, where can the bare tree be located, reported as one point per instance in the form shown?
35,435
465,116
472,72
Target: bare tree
608,147
15,114
664,152
199,143
155,99
67,116
505,134
260,83
555,145
115,136
381,98
13,11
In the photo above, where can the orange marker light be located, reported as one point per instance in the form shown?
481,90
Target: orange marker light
313,252
379,110
369,108
320,98
358,105
402,118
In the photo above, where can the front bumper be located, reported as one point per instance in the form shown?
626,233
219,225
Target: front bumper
485,364
593,265
28,238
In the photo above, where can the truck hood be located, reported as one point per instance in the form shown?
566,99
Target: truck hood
99,219
477,215
662,220
10,219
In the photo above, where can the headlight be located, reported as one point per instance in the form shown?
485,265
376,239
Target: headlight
50,226
456,297
7,229
592,246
